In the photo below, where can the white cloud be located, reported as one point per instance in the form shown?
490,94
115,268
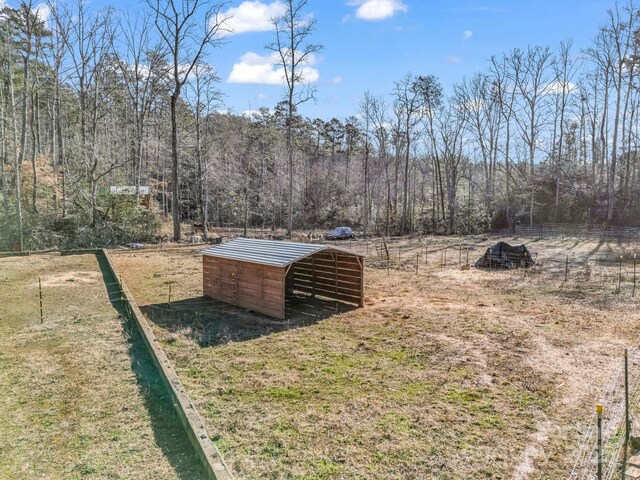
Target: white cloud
337,80
252,16
372,10
467,34
42,11
472,106
559,88
453,59
254,68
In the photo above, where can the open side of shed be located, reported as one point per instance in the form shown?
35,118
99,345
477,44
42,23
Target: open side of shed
259,274
330,273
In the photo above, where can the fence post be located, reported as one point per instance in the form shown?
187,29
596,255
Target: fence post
40,292
626,415
599,412
460,256
426,254
619,275
169,296
634,276
445,255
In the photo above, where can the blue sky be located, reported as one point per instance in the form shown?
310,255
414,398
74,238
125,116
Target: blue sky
369,44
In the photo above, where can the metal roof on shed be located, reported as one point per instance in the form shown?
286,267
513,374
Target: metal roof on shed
268,252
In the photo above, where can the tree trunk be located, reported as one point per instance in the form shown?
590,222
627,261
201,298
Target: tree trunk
34,194
405,194
290,165
365,202
12,104
175,209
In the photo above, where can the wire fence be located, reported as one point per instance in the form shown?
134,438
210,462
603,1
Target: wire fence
562,230
614,269
613,401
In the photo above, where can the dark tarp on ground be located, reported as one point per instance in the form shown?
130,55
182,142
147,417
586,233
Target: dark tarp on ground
503,255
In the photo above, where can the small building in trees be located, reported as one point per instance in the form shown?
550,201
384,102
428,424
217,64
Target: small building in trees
260,274
141,191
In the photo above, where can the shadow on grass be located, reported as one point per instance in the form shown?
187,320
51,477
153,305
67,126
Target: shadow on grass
168,432
210,323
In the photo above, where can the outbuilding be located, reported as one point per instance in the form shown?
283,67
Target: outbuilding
259,274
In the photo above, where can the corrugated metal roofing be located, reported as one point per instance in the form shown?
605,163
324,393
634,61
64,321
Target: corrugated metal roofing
267,252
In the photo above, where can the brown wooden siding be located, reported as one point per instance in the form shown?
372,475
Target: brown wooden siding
331,274
255,287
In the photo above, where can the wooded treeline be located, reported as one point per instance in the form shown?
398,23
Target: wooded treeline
93,98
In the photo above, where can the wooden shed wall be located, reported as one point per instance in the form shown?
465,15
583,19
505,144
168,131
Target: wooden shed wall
248,285
331,274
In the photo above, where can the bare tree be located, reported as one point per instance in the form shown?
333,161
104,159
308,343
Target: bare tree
203,97
504,93
409,105
17,156
143,68
621,33
561,89
295,51
179,26
431,91
478,103
366,113
88,43
531,72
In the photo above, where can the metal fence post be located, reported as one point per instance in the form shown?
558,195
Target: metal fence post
599,412
40,292
634,275
626,415
619,276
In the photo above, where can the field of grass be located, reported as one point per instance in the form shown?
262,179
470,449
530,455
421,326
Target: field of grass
79,395
445,374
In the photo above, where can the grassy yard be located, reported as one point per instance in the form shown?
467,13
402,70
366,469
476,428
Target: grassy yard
80,398
445,374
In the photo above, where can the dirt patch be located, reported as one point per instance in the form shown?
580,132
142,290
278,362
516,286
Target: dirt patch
532,452
71,279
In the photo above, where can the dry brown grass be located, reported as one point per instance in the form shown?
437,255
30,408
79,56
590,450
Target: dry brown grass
79,399
446,374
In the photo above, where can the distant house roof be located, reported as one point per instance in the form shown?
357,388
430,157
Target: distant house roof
268,252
